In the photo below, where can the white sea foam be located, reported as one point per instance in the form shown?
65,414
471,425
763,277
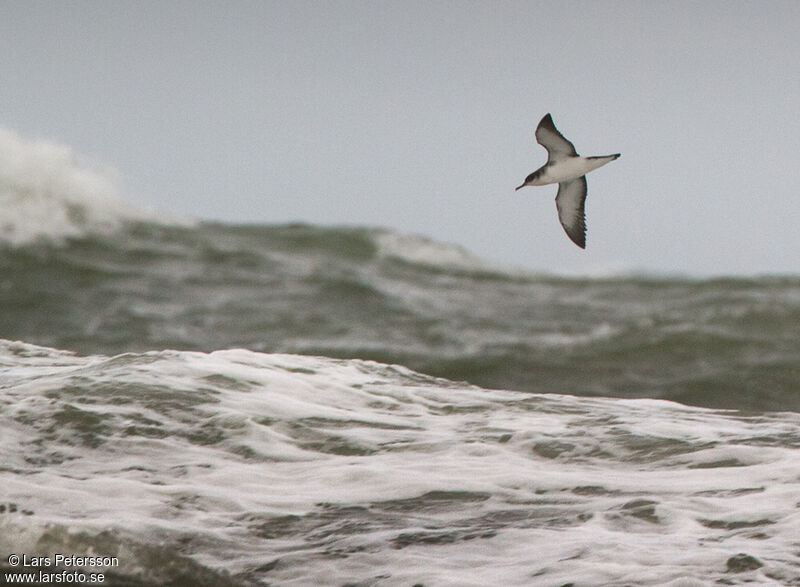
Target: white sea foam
46,195
323,471
421,250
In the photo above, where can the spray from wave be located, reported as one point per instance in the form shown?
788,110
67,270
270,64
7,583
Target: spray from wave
45,195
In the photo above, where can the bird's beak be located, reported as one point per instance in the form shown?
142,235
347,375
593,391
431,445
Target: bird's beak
522,186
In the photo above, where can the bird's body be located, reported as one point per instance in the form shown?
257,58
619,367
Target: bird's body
568,169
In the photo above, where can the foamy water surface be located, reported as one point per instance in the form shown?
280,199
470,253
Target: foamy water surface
304,470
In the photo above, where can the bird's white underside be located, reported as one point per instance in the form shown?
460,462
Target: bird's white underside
569,168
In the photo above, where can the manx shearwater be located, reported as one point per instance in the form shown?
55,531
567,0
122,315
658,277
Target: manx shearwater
568,169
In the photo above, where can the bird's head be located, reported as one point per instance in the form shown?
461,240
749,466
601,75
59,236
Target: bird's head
528,180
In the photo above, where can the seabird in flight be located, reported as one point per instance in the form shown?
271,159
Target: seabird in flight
568,169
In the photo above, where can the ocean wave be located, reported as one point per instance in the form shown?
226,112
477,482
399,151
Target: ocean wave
342,292
422,251
254,468
45,195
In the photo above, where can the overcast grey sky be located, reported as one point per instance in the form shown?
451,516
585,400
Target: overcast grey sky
419,116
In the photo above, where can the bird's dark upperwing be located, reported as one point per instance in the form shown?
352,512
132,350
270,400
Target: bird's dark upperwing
557,146
570,203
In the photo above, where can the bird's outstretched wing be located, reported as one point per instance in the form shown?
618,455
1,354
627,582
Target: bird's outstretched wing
570,203
557,146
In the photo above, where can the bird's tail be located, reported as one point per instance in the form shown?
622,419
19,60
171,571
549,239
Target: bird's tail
609,157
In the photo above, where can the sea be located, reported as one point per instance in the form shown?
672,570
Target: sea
194,403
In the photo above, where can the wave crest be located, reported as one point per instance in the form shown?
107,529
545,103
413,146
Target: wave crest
422,251
45,195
